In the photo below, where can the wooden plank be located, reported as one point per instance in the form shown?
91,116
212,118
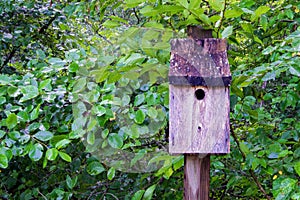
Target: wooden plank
196,177
199,126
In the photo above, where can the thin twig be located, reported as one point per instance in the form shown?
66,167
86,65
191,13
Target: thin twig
42,195
222,18
250,170
137,17
9,57
14,50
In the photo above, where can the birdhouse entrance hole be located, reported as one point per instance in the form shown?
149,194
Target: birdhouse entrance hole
199,94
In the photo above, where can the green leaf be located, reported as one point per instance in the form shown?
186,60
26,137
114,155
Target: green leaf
73,67
40,54
111,24
104,133
259,11
195,4
247,27
80,85
204,18
138,195
297,167
57,62
35,113
233,13
149,193
133,3
139,99
283,188
11,120
184,3
269,76
3,161
111,173
36,152
152,112
62,143
2,133
295,70
2,100
264,22
268,50
115,141
45,84
99,110
14,135
91,137
217,5
51,154
94,168
71,182
227,32
43,135
65,156
139,117
13,91
244,148
29,92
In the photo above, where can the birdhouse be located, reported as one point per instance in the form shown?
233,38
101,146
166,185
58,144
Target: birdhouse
199,78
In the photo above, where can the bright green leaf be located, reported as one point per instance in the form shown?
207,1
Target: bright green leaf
3,161
94,168
36,152
139,99
149,193
259,11
115,141
2,100
2,133
152,112
11,120
71,182
139,117
227,32
138,195
62,143
29,92
111,173
35,113
91,137
297,167
217,5
43,135
51,154
65,156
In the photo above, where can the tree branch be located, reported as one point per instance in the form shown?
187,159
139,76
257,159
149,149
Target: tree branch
250,170
8,58
14,50
222,18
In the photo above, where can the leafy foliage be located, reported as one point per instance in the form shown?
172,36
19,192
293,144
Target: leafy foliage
83,81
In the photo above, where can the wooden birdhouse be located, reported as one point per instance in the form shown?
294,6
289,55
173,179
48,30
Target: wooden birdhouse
199,79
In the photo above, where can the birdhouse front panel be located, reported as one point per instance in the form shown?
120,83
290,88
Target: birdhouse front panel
199,97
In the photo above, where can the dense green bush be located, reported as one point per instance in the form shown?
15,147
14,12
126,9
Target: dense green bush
84,98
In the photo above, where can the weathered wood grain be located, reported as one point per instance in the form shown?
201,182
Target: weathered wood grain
196,177
199,126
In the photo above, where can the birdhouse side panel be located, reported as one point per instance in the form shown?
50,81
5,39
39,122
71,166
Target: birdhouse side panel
199,126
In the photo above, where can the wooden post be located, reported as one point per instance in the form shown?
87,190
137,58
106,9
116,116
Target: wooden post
196,177
199,79
196,168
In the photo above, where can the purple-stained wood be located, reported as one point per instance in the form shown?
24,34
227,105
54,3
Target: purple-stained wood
199,126
196,177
